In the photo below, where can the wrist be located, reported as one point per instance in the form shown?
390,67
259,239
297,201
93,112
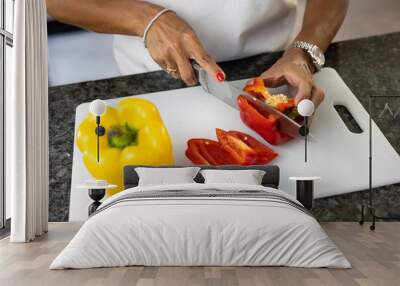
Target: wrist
300,57
148,12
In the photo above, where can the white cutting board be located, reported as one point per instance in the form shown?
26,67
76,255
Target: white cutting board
337,155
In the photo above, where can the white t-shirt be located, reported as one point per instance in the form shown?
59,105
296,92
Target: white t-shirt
229,29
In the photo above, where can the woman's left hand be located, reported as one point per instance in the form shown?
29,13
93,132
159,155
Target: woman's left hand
295,69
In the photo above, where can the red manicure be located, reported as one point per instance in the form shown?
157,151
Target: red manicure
220,76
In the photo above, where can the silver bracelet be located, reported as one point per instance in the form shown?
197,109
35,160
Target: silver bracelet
158,15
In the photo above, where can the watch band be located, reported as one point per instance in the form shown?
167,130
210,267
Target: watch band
303,45
317,56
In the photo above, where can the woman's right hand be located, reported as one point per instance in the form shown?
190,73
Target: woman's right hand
172,43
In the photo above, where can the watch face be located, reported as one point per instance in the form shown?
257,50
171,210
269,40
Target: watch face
318,56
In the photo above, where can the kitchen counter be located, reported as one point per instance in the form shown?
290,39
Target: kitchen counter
369,66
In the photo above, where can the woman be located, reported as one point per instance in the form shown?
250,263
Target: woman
207,31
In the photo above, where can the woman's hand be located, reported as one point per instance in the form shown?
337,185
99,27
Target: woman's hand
171,41
295,69
172,44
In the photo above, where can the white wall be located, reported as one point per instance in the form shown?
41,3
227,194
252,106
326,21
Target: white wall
370,17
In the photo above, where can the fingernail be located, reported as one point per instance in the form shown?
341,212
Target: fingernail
220,76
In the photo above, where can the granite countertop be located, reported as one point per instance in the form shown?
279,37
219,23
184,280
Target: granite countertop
369,66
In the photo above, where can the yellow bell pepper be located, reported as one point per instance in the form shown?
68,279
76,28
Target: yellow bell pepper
135,135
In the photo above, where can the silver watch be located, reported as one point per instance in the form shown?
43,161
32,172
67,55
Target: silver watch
316,54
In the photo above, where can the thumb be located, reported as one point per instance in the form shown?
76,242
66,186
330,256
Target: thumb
271,80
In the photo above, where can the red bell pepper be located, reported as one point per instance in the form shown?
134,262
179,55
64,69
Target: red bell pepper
257,88
232,148
266,125
208,152
245,149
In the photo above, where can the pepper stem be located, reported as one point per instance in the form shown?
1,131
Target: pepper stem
120,136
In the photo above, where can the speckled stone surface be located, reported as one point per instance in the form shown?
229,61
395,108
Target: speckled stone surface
369,66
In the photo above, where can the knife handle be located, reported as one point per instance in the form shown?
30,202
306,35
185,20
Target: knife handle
196,67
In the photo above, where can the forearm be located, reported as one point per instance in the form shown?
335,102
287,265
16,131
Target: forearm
322,20
128,17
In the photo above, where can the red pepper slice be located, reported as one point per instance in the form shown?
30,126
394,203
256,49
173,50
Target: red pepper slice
257,88
266,126
245,149
282,107
208,152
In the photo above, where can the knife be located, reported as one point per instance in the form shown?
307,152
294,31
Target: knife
228,93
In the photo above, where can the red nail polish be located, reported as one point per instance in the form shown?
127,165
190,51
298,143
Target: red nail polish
220,76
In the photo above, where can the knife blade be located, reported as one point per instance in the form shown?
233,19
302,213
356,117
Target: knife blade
228,93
